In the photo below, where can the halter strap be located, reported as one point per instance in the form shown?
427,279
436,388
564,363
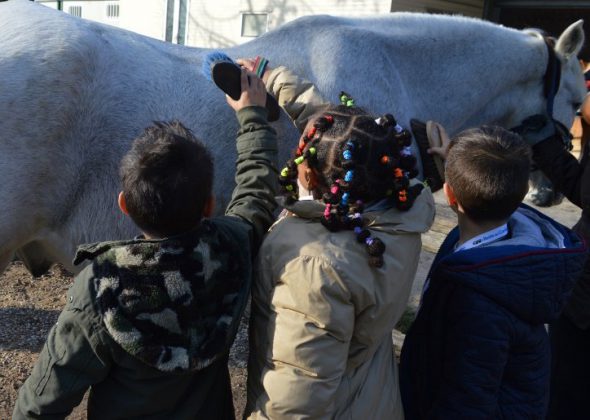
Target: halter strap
552,77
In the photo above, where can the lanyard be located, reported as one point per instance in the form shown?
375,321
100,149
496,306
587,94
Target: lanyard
485,238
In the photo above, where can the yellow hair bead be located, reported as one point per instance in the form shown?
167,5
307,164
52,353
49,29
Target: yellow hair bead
285,172
289,187
299,160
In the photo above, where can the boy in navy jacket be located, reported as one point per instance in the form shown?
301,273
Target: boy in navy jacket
478,347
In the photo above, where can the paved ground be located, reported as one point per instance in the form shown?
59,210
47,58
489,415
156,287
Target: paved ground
29,307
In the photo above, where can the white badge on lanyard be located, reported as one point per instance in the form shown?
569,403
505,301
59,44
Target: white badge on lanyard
485,238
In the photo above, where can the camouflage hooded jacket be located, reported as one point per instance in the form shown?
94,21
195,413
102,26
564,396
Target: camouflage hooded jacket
149,323
173,304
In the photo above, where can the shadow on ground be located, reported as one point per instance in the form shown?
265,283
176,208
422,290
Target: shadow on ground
19,327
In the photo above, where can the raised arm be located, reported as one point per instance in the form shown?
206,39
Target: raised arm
560,166
297,96
256,175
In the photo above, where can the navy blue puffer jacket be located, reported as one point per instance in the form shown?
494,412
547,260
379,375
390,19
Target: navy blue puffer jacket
478,348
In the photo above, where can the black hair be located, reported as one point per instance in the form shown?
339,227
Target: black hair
488,170
356,160
166,178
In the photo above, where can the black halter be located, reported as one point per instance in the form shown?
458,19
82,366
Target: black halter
552,77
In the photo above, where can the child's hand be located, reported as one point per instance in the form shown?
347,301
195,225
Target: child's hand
250,63
253,92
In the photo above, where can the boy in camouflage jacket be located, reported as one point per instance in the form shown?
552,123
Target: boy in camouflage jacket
149,323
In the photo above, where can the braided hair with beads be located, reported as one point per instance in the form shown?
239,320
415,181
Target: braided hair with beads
356,160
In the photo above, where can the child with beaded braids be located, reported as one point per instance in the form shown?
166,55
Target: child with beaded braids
335,272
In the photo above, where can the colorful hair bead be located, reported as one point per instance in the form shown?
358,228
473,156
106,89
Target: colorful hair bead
289,187
344,199
285,172
347,154
299,160
348,176
346,99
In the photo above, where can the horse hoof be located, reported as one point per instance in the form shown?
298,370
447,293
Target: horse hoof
546,198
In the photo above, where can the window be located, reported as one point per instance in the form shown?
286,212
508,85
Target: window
112,10
75,11
254,24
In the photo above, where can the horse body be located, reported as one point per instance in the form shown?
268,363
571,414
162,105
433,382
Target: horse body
74,94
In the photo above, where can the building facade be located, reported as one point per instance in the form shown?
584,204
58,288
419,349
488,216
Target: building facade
553,16
223,23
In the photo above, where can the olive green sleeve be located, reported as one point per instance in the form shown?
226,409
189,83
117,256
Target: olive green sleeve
253,198
73,358
297,96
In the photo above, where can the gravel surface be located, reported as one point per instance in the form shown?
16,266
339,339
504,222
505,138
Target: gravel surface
28,309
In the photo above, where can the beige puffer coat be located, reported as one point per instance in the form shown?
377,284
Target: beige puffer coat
322,318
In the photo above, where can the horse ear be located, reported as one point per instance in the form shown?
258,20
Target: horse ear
570,42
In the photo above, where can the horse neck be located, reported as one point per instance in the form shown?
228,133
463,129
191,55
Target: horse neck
464,72
502,76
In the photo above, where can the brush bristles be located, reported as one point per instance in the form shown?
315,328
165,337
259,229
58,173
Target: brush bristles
213,58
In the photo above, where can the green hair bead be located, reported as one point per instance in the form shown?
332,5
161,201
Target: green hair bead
299,160
285,172
289,187
312,151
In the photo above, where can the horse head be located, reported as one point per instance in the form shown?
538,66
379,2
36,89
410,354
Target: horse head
563,92
571,92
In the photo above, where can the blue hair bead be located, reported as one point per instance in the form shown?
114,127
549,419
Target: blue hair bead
348,176
347,154
369,241
358,230
345,199
350,144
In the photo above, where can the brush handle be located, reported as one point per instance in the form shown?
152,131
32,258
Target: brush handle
226,76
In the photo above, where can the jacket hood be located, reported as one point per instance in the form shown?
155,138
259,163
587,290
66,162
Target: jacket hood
174,303
530,273
379,216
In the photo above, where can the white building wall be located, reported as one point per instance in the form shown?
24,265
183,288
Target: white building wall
147,17
92,10
52,4
219,23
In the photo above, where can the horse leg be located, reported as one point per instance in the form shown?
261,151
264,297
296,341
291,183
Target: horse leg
542,193
5,259
34,256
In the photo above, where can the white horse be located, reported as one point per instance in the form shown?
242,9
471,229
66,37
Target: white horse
73,95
